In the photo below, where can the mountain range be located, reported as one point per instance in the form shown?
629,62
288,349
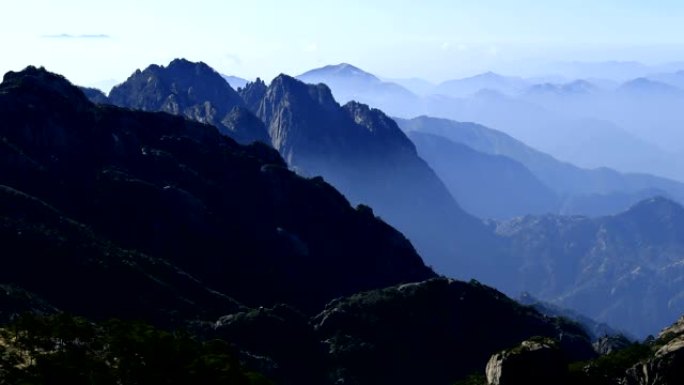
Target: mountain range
574,190
111,212
362,152
225,239
591,123
624,269
487,185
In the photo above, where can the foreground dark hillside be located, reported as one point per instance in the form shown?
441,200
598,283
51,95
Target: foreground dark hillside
232,217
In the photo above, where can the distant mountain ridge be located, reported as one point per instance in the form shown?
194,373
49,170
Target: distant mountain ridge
588,122
487,81
623,269
580,191
486,185
349,83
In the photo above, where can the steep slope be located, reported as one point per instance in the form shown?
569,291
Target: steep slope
489,186
624,270
192,90
366,156
584,191
349,83
232,216
65,266
94,95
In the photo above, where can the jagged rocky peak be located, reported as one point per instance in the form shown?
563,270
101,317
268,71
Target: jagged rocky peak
176,88
319,93
252,93
302,118
192,90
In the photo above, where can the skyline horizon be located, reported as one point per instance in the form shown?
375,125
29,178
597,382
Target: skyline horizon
541,76
436,40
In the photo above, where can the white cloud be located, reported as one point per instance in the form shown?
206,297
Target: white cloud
82,36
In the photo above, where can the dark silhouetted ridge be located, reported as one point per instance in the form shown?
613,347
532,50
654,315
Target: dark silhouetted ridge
176,199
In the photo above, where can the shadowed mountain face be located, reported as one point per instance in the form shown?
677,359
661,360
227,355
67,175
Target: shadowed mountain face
192,90
489,186
581,191
252,93
175,191
365,155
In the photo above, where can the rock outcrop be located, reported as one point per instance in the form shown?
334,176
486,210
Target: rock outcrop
666,366
537,361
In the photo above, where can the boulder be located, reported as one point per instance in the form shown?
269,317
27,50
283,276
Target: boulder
535,361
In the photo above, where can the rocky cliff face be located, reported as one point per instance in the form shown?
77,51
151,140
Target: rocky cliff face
192,90
363,153
666,365
252,93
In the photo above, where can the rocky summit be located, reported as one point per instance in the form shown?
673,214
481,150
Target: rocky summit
192,90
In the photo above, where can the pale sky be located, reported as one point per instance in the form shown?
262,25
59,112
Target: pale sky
93,41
